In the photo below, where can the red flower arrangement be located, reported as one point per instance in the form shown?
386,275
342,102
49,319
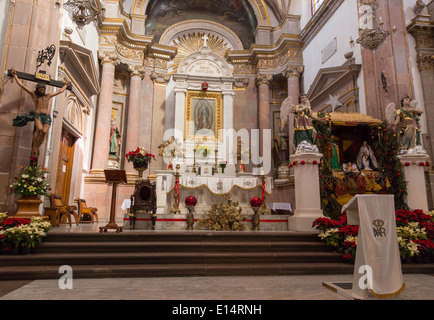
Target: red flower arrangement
140,155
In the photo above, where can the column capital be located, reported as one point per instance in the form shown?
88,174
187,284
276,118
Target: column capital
160,77
263,79
293,71
109,57
137,71
425,62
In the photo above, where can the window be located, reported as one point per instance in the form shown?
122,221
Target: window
316,4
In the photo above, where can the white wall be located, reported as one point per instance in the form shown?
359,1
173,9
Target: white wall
343,26
4,8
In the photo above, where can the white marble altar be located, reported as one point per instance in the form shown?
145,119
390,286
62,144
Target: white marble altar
208,190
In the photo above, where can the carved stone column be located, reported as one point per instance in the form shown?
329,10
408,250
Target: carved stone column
109,62
263,82
159,105
292,73
133,125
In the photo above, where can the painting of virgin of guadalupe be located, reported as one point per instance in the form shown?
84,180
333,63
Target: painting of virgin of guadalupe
203,110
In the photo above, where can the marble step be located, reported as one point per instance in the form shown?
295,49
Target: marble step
173,270
167,258
185,270
181,246
181,236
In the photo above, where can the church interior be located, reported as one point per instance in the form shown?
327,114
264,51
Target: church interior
162,114
202,85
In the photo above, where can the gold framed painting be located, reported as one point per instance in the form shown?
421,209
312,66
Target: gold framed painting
203,115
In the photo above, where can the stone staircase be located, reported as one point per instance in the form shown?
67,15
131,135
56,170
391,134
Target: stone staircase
176,253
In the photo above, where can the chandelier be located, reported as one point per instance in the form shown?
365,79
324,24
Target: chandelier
82,12
371,36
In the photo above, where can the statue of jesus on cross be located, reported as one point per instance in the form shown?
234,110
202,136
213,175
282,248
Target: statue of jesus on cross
41,115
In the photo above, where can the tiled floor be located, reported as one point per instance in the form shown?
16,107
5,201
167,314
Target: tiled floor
418,287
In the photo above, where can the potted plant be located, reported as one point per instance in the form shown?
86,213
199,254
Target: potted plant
29,185
203,149
140,159
223,165
22,235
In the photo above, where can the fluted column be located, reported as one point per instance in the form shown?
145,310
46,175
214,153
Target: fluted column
292,73
137,74
263,82
109,61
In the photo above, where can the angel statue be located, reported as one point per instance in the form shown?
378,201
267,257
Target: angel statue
304,132
366,159
406,122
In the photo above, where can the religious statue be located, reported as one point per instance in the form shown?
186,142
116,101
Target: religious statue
115,139
350,167
42,113
406,119
282,147
303,129
366,159
420,7
333,154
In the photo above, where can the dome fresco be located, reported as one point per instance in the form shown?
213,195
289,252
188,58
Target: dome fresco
236,15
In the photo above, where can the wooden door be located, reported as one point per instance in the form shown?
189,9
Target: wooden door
64,168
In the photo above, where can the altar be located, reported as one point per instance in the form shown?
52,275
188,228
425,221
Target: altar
208,190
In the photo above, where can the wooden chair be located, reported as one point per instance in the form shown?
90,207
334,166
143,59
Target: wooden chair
84,212
53,214
63,210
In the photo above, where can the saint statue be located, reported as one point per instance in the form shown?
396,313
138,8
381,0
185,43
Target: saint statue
366,159
115,140
42,113
333,154
303,129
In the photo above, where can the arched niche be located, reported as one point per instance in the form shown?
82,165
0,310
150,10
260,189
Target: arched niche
194,70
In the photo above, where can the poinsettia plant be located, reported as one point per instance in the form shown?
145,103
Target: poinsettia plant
139,156
31,181
415,232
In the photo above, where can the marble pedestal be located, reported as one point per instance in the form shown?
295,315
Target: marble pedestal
307,191
415,176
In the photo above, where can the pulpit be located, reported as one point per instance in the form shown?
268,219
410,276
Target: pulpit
113,177
377,269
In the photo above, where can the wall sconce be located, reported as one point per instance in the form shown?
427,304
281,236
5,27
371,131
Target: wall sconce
82,12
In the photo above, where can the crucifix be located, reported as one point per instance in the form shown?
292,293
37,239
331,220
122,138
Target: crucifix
204,38
41,114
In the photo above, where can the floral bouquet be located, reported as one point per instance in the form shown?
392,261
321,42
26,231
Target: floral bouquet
139,156
223,164
31,182
203,149
170,149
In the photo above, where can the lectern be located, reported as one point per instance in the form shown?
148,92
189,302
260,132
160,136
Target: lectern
113,177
